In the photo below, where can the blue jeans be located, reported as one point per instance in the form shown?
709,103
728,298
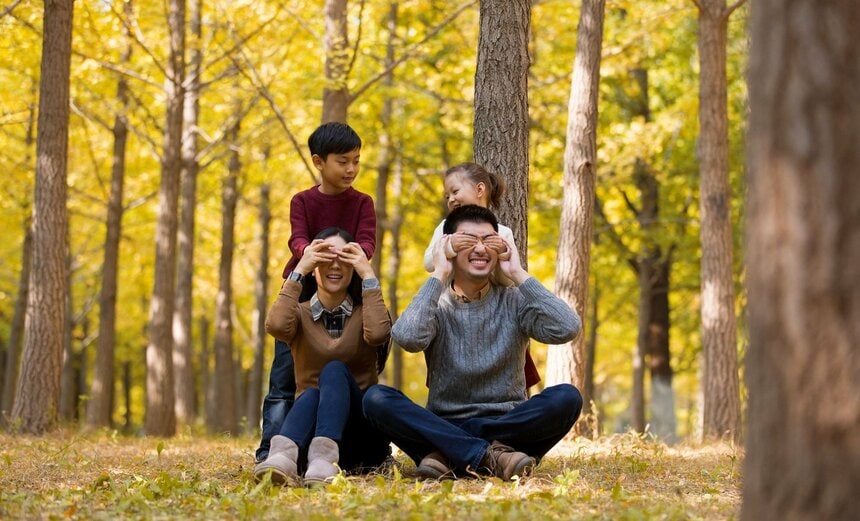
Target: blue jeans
534,426
282,393
334,411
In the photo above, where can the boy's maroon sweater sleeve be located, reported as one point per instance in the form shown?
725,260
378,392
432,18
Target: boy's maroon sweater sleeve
366,234
300,211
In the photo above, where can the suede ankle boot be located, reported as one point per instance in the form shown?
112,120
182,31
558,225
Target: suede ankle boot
323,453
281,462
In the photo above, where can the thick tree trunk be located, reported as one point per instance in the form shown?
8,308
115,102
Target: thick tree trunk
501,125
182,316
261,300
160,413
566,362
16,336
336,92
719,335
38,387
803,263
225,374
99,407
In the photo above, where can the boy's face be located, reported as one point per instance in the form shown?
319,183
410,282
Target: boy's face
338,171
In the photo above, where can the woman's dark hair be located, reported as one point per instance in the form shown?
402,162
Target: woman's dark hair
309,283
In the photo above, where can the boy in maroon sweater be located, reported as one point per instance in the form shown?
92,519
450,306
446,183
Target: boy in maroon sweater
335,151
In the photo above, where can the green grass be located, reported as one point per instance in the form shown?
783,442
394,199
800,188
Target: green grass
67,475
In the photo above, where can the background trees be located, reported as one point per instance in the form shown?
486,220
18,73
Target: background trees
414,98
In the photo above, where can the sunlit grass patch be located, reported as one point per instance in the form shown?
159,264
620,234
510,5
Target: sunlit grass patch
69,475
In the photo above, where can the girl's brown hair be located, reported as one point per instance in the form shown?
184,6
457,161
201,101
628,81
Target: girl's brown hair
478,174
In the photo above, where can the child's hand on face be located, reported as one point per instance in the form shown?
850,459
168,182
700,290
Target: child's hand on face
318,252
353,255
460,241
497,244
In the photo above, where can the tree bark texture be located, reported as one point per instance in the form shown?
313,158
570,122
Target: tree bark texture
38,387
501,121
566,362
182,316
719,335
225,373
336,92
160,394
803,262
16,332
261,300
68,378
99,407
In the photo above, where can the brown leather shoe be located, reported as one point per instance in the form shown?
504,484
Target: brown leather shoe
504,462
435,466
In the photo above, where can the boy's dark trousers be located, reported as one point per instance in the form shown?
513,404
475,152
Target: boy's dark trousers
279,400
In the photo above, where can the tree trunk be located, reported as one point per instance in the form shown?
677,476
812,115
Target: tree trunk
386,147
663,421
719,335
182,315
13,351
501,123
207,383
394,268
225,375
803,253
637,403
565,362
102,388
336,92
160,413
38,387
68,378
261,299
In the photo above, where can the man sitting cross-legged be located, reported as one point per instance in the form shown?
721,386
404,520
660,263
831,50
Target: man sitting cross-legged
474,335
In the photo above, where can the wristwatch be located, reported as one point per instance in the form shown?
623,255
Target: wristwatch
296,276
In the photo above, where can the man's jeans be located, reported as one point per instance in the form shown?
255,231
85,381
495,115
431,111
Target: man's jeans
333,410
533,427
282,394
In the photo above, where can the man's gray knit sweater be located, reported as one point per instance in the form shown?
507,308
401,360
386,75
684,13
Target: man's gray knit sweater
475,351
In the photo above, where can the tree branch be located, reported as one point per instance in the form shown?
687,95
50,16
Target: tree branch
409,52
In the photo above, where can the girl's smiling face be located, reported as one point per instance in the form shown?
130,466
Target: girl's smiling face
460,191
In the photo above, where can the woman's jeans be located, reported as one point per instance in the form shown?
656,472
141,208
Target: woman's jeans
333,410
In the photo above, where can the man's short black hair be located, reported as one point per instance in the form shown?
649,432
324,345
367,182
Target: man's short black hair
470,213
333,138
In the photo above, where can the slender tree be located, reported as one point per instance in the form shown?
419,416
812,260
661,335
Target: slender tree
160,413
261,304
501,121
719,331
13,350
38,387
803,252
567,362
101,400
225,373
182,315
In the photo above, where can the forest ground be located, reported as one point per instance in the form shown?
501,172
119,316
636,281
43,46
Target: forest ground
105,475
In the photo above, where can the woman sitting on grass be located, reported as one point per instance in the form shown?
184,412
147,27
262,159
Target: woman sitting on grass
331,313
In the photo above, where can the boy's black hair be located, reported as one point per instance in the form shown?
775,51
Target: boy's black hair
470,213
309,283
333,138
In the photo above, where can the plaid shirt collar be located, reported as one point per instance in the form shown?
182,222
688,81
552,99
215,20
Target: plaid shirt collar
460,297
333,320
